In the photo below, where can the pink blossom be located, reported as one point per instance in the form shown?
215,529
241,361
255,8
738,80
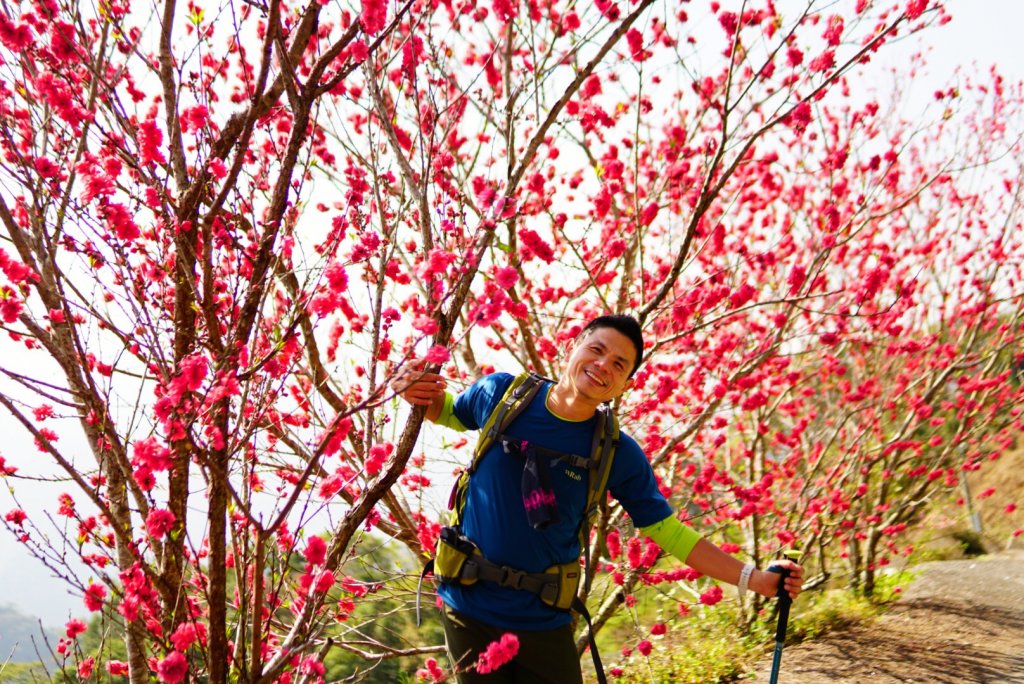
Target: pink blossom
609,9
85,668
358,51
58,95
506,277
658,628
117,668
794,57
15,271
97,181
16,516
144,478
184,636
834,31
331,485
634,552
378,455
730,21
324,581
436,264
532,245
67,505
94,597
437,354
150,139
312,665
916,8
635,40
159,522
336,276
644,647
46,168
62,43
800,117
194,118
425,324
191,373
42,412
10,305
15,37
506,10
432,671
823,62
498,653
217,168
151,454
316,550
173,668
711,596
374,16
120,221
74,628
614,542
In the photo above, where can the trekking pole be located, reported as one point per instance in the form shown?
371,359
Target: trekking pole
780,629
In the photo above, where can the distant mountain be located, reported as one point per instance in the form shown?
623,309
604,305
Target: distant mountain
17,631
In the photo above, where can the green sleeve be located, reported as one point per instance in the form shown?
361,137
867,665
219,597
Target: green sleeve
673,536
448,417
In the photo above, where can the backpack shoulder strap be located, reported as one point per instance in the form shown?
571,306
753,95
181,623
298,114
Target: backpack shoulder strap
515,400
606,439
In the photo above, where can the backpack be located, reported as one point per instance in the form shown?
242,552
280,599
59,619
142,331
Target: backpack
459,560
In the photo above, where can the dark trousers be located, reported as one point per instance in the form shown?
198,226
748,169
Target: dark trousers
545,657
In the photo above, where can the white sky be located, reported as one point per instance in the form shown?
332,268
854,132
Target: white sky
983,32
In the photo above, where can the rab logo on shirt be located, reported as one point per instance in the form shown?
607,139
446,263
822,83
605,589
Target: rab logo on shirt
575,476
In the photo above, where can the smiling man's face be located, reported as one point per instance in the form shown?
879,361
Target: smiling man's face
600,365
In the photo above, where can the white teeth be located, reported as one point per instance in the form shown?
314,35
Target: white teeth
593,377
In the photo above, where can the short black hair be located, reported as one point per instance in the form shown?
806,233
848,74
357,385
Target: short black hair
625,324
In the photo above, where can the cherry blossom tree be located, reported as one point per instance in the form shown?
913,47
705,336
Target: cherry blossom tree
228,225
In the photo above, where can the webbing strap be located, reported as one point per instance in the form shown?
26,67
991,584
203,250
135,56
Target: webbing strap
575,460
479,567
581,608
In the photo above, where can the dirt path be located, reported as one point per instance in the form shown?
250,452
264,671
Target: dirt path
959,622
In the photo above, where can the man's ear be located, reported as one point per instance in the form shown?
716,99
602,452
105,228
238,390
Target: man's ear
568,349
628,385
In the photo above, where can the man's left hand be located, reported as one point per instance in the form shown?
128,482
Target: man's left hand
766,583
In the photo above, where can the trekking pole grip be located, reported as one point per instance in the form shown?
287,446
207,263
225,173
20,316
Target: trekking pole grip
785,601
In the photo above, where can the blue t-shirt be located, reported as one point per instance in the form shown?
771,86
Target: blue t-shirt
495,518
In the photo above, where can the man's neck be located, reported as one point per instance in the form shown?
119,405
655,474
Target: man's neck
565,402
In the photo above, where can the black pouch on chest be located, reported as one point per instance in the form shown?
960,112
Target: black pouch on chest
538,494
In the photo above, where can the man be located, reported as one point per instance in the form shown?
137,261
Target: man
561,418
